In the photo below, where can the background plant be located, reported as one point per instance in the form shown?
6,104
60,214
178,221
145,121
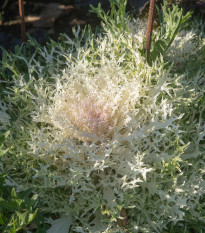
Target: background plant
171,21
16,210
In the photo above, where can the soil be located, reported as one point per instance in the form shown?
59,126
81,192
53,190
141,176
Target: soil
44,19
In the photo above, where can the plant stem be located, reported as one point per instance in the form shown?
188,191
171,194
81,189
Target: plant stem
23,27
149,28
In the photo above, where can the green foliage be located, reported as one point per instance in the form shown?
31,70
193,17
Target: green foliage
172,21
191,223
2,139
115,20
16,210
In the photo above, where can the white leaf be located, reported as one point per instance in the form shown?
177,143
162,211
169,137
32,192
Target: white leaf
110,197
98,225
61,225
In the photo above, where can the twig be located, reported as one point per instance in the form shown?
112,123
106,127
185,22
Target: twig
23,27
149,28
4,4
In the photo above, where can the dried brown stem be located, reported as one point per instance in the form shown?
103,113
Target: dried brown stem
149,28
23,27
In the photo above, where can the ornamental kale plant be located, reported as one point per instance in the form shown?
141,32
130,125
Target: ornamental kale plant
95,130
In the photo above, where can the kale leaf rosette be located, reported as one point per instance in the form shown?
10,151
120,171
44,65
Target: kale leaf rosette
94,129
